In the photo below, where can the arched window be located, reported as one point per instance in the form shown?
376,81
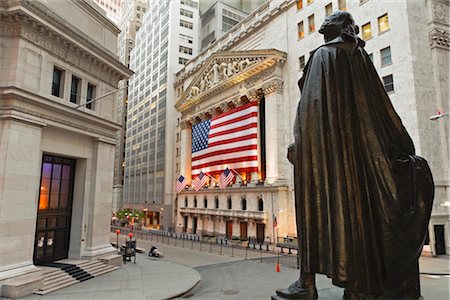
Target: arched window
244,203
229,202
260,204
205,202
185,202
216,202
195,201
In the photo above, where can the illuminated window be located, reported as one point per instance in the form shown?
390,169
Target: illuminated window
383,23
309,1
299,4
301,61
342,4
386,58
328,9
311,25
367,31
301,30
388,83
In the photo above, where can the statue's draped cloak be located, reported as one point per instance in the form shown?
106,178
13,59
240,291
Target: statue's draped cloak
363,198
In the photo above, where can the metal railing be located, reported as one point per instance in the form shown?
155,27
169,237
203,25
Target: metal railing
251,250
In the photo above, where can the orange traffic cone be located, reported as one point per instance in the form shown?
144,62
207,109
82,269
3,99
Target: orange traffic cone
277,268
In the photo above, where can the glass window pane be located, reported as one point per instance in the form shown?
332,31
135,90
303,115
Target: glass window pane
366,31
66,172
299,4
54,199
301,30
56,171
46,170
385,55
311,24
383,23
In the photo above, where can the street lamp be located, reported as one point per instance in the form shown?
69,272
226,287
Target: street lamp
435,117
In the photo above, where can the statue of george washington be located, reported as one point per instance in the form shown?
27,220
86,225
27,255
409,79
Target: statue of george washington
363,198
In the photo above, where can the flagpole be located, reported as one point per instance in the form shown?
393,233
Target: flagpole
207,174
235,172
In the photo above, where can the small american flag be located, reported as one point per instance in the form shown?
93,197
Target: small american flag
227,140
181,184
199,181
225,178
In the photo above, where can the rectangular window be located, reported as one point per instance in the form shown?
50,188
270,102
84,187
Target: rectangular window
311,24
383,23
328,9
299,4
386,58
58,77
75,89
388,83
309,1
186,38
189,3
371,57
90,95
300,30
342,4
185,50
301,62
182,60
186,13
366,31
186,24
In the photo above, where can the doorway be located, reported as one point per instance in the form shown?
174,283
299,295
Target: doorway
54,209
229,229
243,230
185,223
260,234
194,225
439,236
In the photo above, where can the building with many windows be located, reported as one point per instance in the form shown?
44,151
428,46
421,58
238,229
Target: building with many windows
130,22
260,61
113,8
167,39
56,148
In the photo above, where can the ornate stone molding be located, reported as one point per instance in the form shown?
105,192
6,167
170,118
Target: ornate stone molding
440,12
273,86
439,38
88,53
226,69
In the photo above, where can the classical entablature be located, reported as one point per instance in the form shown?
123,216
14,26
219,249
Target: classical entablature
226,69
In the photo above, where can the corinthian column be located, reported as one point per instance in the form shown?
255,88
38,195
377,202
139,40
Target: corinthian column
186,150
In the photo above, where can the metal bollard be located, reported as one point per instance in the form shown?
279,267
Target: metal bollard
246,249
192,244
175,242
260,251
232,250
220,249
200,245
210,247
267,245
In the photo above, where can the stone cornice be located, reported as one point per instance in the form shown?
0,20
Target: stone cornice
56,113
35,15
226,69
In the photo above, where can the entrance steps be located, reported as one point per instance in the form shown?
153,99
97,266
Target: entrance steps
59,275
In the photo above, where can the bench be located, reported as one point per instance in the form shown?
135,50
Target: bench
128,251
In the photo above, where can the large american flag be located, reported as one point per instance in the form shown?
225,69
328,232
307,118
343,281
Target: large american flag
180,184
225,178
227,140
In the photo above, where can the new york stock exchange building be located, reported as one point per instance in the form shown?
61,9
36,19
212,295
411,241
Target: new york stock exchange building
237,104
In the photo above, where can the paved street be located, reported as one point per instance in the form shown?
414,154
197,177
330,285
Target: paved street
221,276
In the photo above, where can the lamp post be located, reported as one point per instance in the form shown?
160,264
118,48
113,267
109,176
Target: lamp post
117,240
436,117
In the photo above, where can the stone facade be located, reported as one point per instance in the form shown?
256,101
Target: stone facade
80,42
405,43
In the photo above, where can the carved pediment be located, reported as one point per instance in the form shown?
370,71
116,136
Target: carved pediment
225,69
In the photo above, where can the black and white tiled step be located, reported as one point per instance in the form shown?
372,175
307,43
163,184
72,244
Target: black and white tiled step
59,275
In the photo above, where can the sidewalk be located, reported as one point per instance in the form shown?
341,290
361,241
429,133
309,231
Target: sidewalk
439,265
149,278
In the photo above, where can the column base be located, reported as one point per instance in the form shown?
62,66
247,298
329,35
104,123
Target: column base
99,251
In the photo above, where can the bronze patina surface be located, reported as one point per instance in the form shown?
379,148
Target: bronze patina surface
363,198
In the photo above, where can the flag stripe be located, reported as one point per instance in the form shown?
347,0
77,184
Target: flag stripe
234,139
222,157
233,130
239,167
225,161
242,109
234,145
248,116
224,151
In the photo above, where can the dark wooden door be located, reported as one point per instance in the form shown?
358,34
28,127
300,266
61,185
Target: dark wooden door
185,225
260,234
244,226
439,236
229,229
194,225
54,209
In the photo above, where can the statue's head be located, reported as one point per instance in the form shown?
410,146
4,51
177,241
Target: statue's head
337,23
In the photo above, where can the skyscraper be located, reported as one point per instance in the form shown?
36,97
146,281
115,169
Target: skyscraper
167,39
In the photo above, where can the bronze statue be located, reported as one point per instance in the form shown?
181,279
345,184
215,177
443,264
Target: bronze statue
363,199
